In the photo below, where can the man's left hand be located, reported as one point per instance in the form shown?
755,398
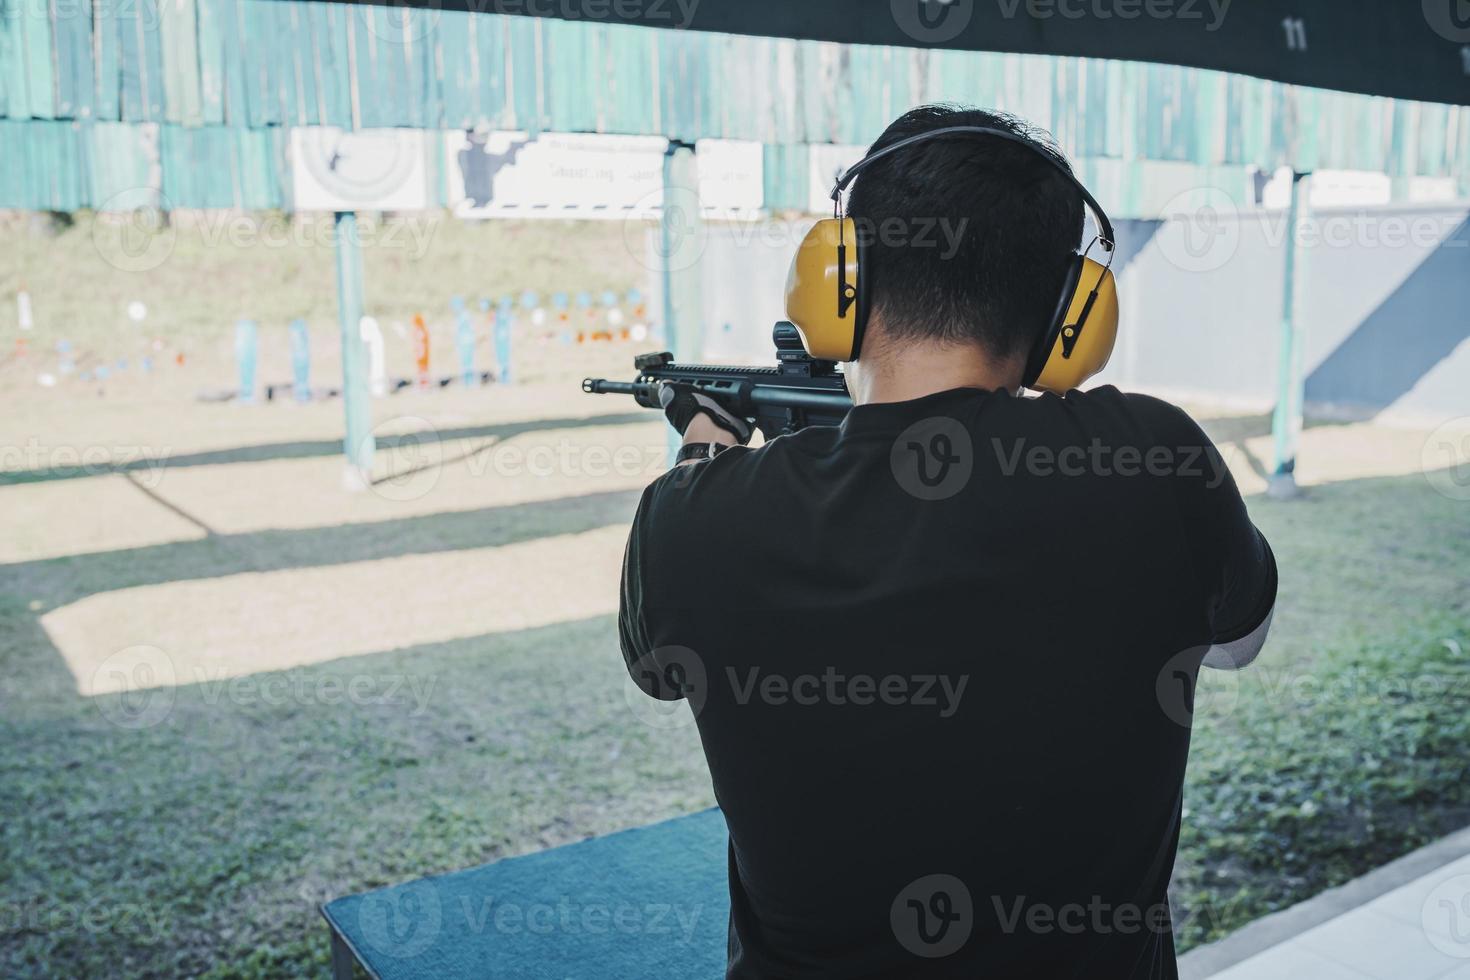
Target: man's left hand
683,403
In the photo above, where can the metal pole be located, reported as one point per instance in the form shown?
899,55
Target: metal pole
358,443
1286,420
681,243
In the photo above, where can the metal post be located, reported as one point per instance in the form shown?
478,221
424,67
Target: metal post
1286,420
358,442
681,243
342,958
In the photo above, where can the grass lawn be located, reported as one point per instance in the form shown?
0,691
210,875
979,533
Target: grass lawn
1345,745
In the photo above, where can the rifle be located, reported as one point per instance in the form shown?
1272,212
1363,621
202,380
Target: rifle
798,391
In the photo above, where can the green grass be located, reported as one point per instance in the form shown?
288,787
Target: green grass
1344,746
1307,785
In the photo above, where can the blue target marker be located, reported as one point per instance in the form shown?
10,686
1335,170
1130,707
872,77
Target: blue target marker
464,343
503,321
300,361
246,344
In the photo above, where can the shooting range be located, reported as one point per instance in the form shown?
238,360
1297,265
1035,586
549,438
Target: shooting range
312,537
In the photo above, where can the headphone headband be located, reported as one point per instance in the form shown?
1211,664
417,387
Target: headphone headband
1105,227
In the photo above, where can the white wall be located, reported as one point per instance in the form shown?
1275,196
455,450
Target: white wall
1385,307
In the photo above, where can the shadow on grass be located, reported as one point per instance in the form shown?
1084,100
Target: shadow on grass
30,664
58,581
311,449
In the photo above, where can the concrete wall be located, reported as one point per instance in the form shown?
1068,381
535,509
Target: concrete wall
1386,306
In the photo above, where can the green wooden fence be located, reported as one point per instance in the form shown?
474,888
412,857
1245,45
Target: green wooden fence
96,93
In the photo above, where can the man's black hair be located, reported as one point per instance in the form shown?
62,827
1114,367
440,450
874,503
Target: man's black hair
967,237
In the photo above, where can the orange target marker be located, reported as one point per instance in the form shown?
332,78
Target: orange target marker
421,348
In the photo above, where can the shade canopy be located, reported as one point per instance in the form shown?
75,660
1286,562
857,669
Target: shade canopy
1408,49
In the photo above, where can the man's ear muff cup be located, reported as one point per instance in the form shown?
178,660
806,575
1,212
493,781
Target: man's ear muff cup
826,290
1079,339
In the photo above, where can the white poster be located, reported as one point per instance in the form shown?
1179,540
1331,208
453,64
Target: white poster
582,175
731,178
368,170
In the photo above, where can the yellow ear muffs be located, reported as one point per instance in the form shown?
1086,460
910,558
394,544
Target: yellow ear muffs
1079,340
823,295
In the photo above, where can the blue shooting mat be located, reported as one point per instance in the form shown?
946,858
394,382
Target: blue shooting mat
641,903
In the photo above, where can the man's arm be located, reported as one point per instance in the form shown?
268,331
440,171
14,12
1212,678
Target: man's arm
634,633
1235,654
702,429
632,629
701,421
1241,579
1233,562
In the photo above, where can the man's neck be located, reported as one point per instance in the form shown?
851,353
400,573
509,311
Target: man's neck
903,371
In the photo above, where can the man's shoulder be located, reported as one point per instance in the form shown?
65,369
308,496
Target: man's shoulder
1163,421
739,477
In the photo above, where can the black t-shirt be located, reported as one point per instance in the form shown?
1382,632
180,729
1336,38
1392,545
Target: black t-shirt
942,659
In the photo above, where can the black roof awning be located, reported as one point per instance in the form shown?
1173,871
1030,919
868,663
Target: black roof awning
1407,49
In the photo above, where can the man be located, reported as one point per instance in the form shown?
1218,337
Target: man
942,656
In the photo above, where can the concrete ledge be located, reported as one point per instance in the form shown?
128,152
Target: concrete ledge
1269,930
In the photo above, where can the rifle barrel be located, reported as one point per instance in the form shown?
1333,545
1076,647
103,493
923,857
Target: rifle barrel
602,386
